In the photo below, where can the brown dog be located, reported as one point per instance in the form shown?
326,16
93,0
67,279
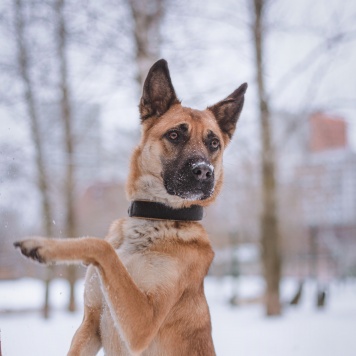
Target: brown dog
144,289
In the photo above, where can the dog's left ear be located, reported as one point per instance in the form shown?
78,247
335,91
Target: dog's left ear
158,93
228,110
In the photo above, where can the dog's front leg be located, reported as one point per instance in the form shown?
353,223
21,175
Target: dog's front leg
137,315
70,250
86,340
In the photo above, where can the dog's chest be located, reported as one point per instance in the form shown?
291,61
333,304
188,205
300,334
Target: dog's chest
149,269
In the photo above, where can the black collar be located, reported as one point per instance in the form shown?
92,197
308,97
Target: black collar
159,211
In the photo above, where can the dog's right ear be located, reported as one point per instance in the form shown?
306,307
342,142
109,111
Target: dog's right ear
158,92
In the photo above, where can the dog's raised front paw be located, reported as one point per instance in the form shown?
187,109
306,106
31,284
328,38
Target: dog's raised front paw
34,248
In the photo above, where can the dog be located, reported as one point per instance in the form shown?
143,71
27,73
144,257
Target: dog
144,292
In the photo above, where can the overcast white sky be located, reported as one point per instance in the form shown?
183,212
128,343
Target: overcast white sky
208,47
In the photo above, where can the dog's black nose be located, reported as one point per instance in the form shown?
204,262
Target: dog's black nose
203,171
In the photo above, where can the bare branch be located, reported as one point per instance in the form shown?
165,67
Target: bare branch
315,53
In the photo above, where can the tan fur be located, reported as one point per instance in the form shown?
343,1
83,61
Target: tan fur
144,291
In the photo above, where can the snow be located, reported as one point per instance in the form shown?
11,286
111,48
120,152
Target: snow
302,330
239,330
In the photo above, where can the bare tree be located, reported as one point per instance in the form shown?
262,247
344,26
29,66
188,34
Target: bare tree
67,121
270,235
24,67
147,16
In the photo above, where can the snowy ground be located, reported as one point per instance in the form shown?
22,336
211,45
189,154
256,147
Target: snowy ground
242,330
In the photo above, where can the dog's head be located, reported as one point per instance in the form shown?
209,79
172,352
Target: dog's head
179,159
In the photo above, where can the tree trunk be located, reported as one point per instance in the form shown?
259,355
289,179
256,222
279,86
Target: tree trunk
30,101
271,254
147,16
66,116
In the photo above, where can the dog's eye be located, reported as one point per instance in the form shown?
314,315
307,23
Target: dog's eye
214,143
173,135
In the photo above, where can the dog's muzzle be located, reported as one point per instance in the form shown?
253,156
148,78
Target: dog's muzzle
193,180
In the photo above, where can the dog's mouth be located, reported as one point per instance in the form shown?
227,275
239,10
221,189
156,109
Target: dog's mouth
196,194
194,180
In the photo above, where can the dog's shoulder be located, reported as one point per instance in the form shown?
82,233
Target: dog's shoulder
194,248
115,234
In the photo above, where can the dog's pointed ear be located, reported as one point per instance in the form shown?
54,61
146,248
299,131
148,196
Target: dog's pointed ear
227,111
158,92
